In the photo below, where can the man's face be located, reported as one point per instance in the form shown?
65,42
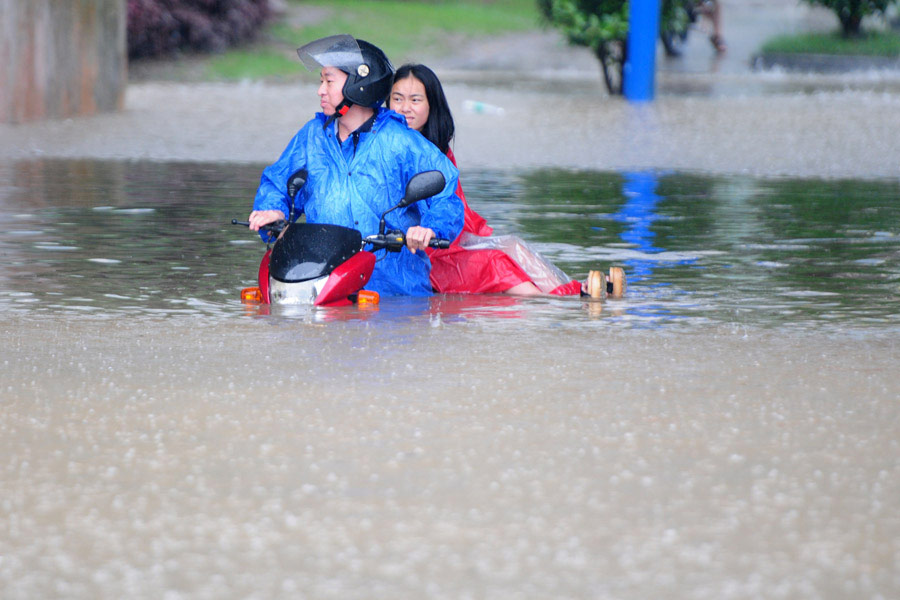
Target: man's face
331,84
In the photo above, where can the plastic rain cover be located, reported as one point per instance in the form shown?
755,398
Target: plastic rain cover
544,274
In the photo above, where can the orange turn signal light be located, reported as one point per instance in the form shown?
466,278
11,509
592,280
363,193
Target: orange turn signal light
367,297
251,295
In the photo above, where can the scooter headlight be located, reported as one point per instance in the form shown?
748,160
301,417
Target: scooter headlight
301,292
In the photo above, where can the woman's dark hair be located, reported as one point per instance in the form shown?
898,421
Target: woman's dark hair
439,127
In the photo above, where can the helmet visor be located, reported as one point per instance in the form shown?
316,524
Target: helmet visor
340,51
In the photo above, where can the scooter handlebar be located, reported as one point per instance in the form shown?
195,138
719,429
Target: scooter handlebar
273,228
393,241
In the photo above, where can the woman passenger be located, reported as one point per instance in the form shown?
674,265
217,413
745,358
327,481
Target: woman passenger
473,264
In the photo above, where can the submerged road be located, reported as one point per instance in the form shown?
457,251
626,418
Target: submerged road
836,134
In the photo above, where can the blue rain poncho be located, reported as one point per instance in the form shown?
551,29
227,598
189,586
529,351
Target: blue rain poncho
353,183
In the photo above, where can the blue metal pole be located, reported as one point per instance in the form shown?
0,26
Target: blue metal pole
640,66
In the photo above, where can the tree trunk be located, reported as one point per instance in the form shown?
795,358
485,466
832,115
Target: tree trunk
850,24
61,59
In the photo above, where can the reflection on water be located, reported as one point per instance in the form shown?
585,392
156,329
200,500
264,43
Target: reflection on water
132,239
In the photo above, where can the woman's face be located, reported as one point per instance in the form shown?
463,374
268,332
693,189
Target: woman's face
331,85
408,98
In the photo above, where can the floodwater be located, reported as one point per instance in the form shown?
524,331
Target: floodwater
729,429
108,240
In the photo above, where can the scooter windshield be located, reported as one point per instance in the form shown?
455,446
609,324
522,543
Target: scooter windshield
308,251
339,51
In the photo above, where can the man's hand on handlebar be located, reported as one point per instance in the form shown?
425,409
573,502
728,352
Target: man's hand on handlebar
417,238
258,218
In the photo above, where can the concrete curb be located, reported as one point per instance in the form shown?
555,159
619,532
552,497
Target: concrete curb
822,63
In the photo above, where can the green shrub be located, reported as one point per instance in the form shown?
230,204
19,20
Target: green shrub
587,22
851,12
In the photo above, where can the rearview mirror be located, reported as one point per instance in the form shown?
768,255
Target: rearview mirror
296,182
420,186
423,185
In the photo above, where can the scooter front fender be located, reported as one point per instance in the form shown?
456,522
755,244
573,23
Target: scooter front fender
264,276
348,278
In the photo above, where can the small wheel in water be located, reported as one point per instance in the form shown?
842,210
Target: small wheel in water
596,284
617,278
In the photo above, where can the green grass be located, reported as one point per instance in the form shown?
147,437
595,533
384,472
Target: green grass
261,63
405,30
870,44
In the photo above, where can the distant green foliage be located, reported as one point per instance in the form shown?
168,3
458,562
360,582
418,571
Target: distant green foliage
867,44
851,12
592,23
253,63
404,29
588,22
602,26
408,28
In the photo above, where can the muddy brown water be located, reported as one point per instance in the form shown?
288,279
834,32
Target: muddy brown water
728,430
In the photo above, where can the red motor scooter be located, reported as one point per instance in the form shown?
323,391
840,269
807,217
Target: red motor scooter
328,265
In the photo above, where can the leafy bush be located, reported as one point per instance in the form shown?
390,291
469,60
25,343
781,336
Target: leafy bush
851,12
588,22
162,27
602,26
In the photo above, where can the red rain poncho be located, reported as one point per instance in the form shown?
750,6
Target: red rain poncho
458,270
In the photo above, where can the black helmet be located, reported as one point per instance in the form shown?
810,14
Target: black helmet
369,72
